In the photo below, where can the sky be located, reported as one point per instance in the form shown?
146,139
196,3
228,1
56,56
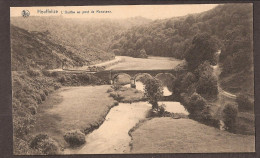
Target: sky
119,11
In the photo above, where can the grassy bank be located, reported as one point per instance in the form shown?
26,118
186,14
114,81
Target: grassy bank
167,135
31,92
73,108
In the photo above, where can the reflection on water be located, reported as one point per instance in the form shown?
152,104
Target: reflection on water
140,86
174,107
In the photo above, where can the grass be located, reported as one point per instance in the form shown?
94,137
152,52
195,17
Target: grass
245,122
73,108
167,135
130,63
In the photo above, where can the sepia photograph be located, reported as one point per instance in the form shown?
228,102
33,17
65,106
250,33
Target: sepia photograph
132,79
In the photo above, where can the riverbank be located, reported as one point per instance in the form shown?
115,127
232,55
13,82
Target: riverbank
73,108
112,136
186,136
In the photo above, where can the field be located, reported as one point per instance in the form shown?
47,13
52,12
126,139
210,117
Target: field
73,108
152,63
167,135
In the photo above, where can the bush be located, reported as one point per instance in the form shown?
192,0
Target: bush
45,144
116,87
54,74
43,96
46,73
74,138
230,113
153,91
33,73
116,96
109,90
116,103
46,92
62,79
244,104
161,110
208,85
196,105
56,86
32,109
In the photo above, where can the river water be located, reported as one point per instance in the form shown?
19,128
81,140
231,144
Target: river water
112,136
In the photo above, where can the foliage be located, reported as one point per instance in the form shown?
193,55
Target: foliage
190,36
79,79
74,137
196,105
207,84
44,144
33,73
142,54
230,113
244,104
28,91
127,95
203,48
32,49
153,91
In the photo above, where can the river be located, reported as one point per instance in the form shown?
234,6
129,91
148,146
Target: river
112,136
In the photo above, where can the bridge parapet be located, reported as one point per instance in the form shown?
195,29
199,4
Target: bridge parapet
110,75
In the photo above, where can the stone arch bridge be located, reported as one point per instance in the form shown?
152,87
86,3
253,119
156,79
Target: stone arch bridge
110,75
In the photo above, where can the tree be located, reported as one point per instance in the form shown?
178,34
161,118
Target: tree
230,114
142,54
203,48
196,105
207,82
153,91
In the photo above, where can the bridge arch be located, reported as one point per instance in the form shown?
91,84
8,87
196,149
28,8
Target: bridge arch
139,74
167,80
167,73
118,74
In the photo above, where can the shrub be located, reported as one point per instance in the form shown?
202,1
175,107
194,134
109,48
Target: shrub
196,105
244,104
230,113
45,144
109,90
46,73
116,103
142,54
32,109
161,110
46,92
153,91
207,85
84,78
54,74
38,98
56,86
33,73
43,96
74,138
116,96
21,147
62,79
116,87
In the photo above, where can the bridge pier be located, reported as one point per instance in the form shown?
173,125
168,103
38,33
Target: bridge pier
132,82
